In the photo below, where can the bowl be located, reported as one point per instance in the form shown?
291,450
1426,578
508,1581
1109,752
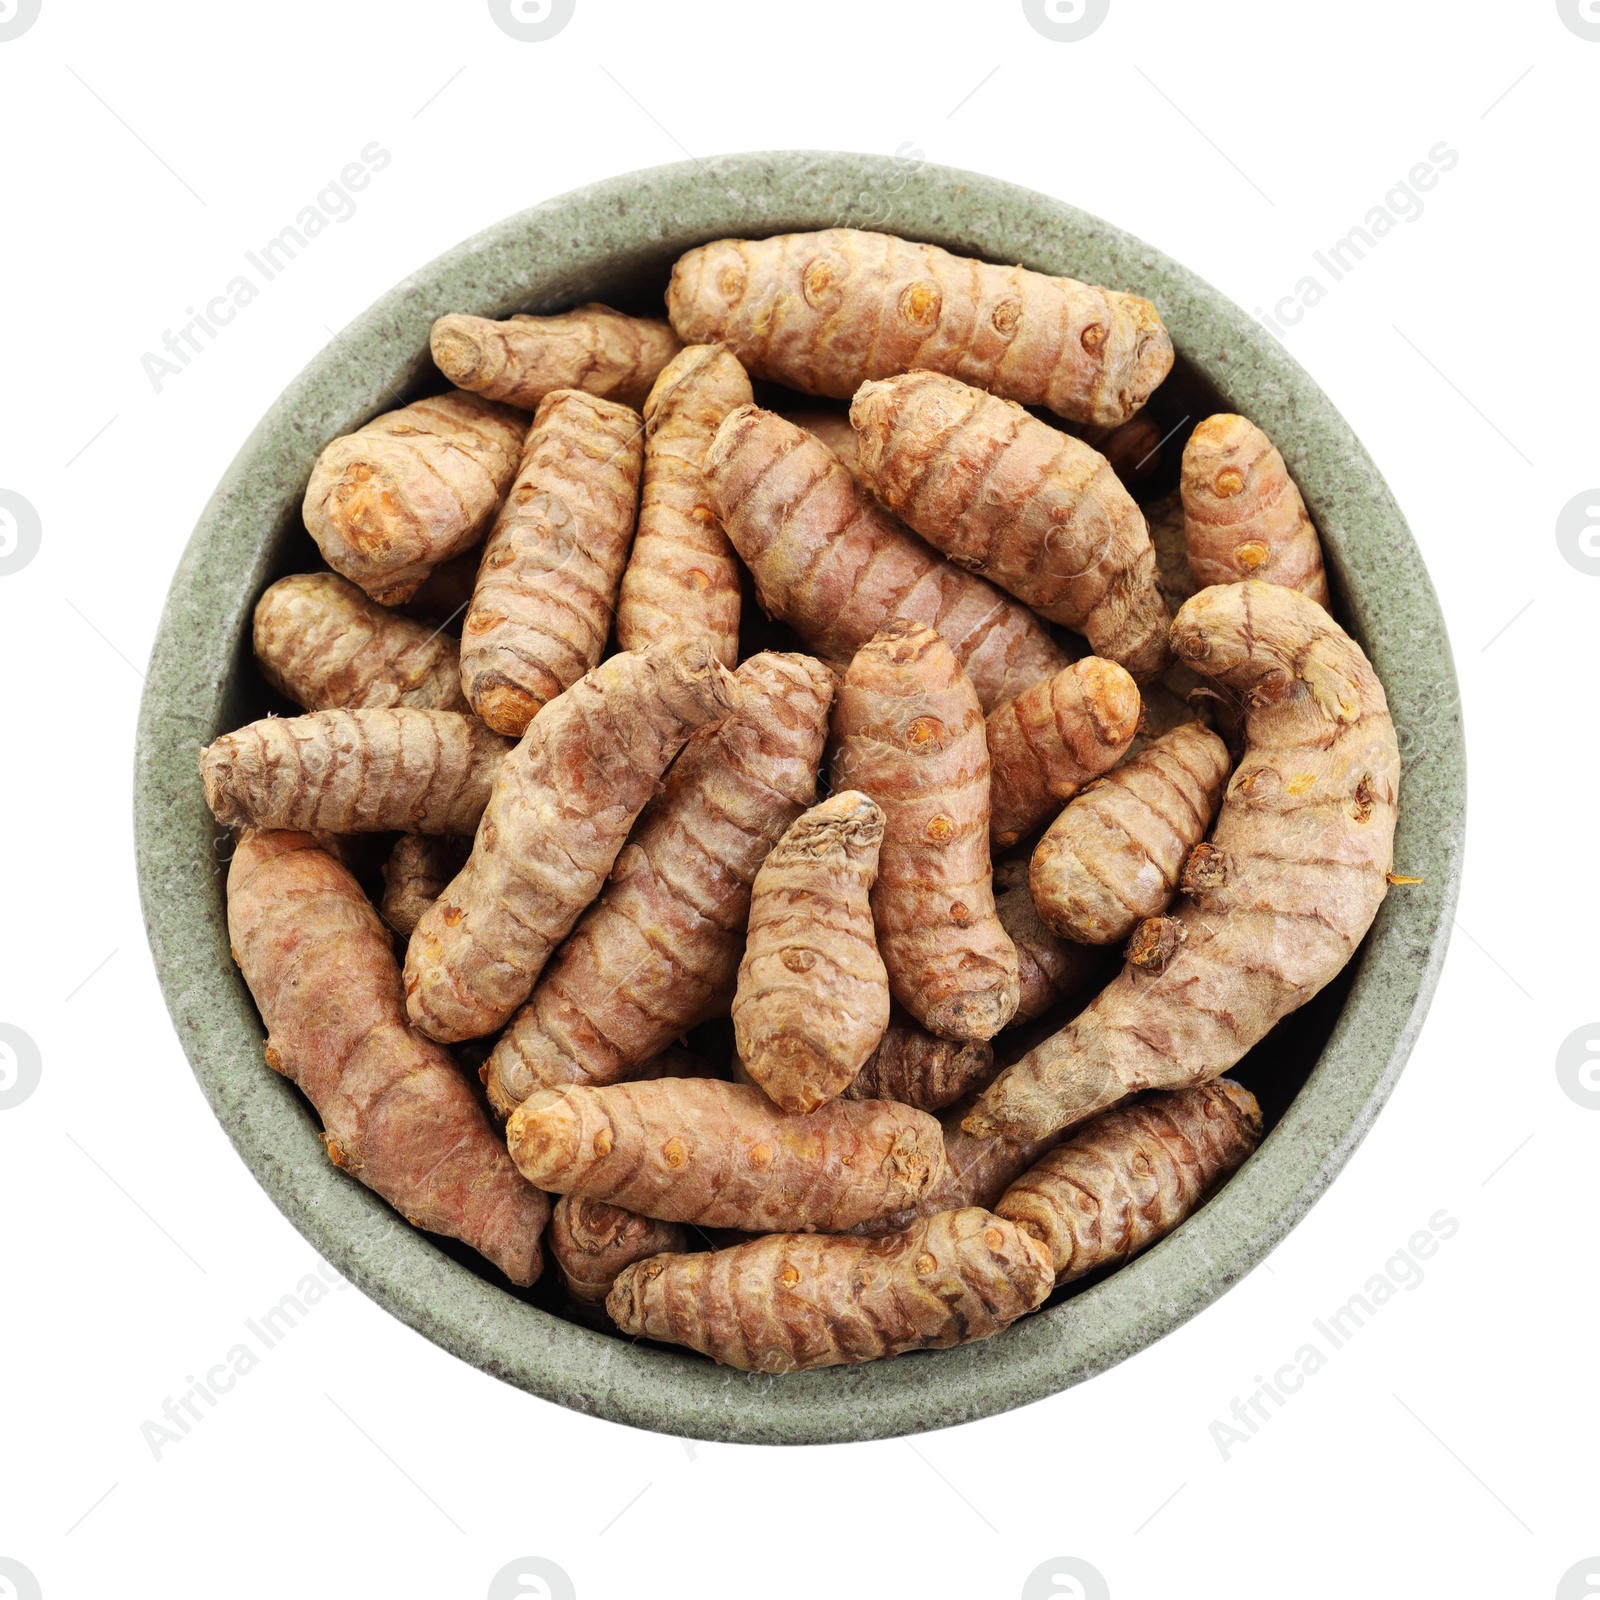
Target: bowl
1322,1076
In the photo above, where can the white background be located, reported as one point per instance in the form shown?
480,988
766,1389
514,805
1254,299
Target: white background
1448,1448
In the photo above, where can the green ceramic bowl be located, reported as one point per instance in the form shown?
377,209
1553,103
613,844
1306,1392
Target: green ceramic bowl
1322,1077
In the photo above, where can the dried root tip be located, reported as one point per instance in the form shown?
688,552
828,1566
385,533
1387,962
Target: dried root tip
592,348
1132,1175
1155,942
813,997
1243,514
722,1155
918,1069
796,1302
1206,868
591,1242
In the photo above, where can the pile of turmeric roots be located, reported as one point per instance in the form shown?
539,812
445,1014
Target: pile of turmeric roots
1025,724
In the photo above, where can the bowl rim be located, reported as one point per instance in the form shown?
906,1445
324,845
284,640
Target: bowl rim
539,259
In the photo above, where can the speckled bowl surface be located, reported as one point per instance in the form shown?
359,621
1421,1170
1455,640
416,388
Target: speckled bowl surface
1322,1076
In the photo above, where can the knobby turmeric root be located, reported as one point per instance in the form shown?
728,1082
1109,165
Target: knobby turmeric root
1029,507
657,953
1243,515
523,359
323,644
411,489
834,430
919,1069
1052,739
414,877
1132,1175
723,1156
547,586
813,997
1295,872
1048,968
823,312
1114,855
397,1114
909,733
561,807
1134,447
794,1302
837,568
682,576
397,769
591,1242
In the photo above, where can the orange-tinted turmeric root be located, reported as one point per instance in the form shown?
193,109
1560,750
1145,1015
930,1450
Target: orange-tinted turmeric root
591,1242
414,487
323,644
1243,515
824,312
1297,867
723,1156
1133,1174
547,585
397,769
658,952
920,1069
682,575
397,1113
1052,739
415,874
837,568
813,997
909,733
1027,506
794,1302
1114,855
523,359
559,812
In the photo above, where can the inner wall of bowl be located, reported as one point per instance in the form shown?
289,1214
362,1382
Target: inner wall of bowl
615,242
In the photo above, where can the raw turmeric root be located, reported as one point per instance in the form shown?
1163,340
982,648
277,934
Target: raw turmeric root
836,568
1133,448
1029,507
1052,739
397,769
547,584
794,1302
823,312
919,1069
723,1156
813,997
658,952
592,1242
1049,968
1132,1175
323,644
561,807
523,359
1114,855
414,877
396,1112
389,502
1243,515
910,733
1296,870
682,575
